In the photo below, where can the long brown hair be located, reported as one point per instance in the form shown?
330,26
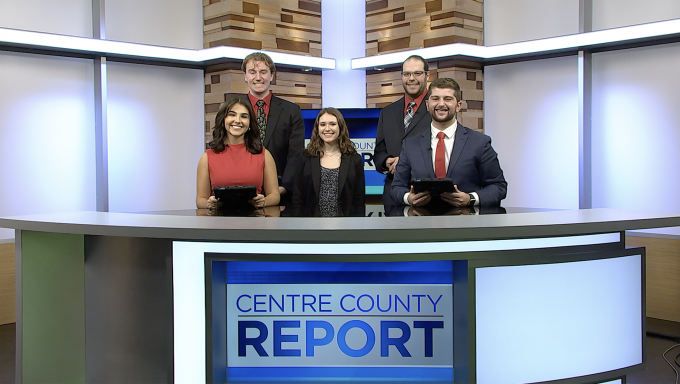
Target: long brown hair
316,145
252,135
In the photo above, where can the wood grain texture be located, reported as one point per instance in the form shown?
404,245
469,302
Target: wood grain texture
294,85
393,23
396,25
291,26
284,26
7,284
385,87
663,276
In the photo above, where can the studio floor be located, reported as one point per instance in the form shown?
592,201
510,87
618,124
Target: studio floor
657,372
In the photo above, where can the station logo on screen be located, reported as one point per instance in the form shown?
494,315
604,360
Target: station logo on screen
352,315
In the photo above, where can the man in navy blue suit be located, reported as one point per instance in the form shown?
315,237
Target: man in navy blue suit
449,150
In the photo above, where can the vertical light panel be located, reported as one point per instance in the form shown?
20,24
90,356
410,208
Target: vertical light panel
100,135
344,38
154,139
585,97
531,114
63,17
47,156
635,130
509,21
169,23
539,317
585,112
615,13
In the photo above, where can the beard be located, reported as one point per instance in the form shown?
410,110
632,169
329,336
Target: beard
449,116
420,91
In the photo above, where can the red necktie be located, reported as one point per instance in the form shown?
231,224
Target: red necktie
440,157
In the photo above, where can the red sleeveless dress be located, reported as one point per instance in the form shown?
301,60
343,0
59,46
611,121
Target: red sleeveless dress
236,166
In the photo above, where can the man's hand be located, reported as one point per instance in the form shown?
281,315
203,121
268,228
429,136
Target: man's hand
391,164
456,198
418,199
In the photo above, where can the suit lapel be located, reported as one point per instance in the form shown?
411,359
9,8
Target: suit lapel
272,119
426,150
458,144
316,174
396,123
344,166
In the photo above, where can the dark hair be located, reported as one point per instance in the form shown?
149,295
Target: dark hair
446,83
419,58
316,145
259,56
252,135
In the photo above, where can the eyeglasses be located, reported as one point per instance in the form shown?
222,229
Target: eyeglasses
415,74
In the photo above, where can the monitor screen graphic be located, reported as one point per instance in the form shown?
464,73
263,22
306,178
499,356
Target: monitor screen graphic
333,321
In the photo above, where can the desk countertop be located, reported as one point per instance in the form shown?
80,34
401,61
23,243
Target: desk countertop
358,229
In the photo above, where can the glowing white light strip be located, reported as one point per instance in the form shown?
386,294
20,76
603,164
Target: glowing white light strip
581,40
426,53
189,279
38,40
189,294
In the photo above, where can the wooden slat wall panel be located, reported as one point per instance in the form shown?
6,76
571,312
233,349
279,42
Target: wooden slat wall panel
292,26
663,269
397,25
7,284
385,87
302,88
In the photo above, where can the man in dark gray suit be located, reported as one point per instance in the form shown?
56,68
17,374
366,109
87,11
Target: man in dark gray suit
404,118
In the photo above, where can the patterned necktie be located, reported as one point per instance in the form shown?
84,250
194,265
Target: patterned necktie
261,119
440,157
409,114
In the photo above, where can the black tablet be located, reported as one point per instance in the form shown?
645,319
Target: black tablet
235,196
434,186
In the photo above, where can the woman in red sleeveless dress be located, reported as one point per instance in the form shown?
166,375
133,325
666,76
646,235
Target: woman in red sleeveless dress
236,157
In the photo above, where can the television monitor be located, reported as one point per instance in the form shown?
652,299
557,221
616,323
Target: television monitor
330,321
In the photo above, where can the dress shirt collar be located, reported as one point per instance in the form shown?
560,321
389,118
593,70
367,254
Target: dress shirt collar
418,100
267,100
448,132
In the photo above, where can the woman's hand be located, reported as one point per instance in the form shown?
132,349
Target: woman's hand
257,201
213,203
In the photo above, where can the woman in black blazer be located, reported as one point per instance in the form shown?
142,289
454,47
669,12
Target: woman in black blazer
328,177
